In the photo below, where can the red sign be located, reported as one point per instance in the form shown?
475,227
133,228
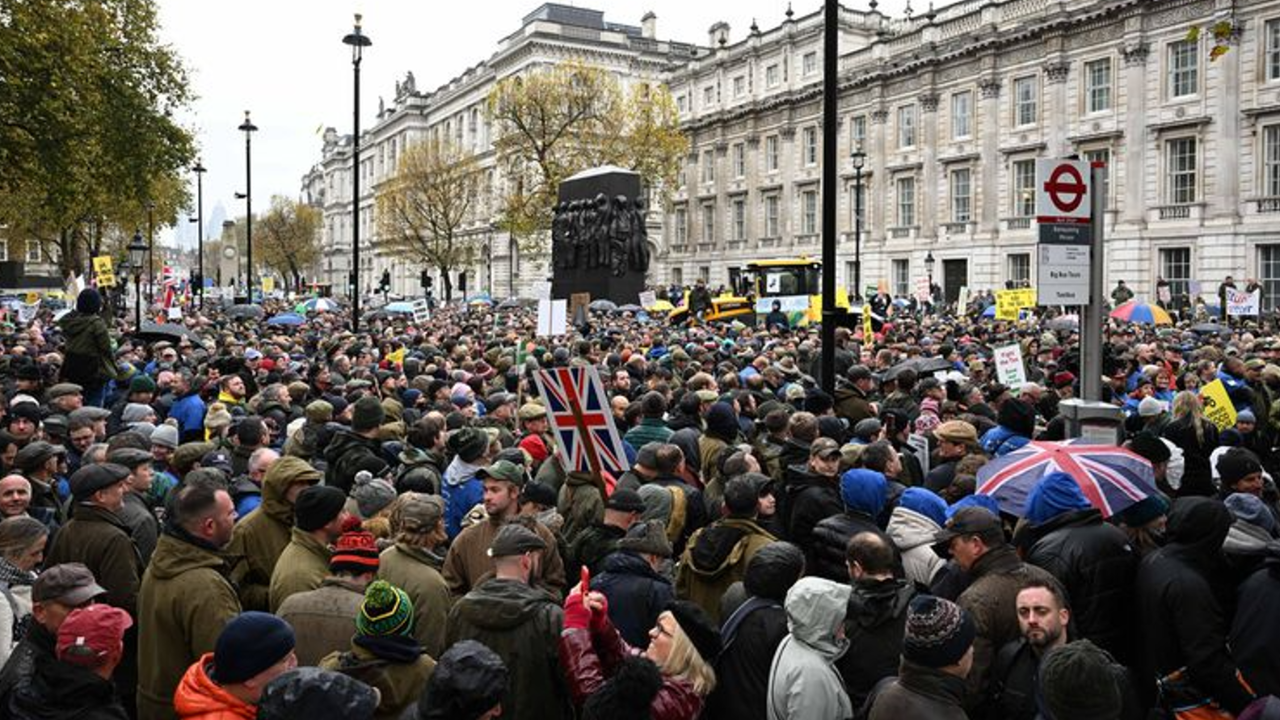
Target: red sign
1063,190
1066,195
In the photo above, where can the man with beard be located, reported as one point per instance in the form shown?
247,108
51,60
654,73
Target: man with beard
1043,618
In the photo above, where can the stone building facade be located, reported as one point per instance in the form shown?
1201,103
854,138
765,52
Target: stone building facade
953,107
456,111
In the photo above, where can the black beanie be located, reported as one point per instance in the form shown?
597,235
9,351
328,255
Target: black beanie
89,302
1079,681
317,506
367,414
1150,447
1236,464
773,570
697,626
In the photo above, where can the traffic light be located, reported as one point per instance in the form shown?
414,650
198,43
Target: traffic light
386,280
462,282
426,279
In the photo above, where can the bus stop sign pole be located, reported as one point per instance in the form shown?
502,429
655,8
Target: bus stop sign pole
830,66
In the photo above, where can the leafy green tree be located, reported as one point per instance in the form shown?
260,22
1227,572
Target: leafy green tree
286,239
88,94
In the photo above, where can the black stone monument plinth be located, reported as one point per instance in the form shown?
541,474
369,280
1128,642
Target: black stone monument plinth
598,238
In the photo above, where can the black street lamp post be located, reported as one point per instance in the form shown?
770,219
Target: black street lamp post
928,267
249,128
199,170
358,42
859,159
137,256
151,252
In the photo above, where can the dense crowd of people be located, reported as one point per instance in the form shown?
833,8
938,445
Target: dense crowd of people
237,519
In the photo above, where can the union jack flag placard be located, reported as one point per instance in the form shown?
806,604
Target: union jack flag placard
581,419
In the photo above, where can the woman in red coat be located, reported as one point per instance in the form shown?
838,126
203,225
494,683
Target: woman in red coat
683,644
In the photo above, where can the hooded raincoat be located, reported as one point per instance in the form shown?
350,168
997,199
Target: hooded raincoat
803,682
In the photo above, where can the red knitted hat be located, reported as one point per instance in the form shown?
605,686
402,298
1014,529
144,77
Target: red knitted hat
355,552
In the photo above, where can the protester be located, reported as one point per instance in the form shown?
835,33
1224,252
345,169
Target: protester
325,618
876,616
469,683
630,580
252,650
413,563
22,544
260,538
307,693
320,517
78,684
803,682
937,655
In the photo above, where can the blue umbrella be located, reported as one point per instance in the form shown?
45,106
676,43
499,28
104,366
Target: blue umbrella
399,307
989,312
289,319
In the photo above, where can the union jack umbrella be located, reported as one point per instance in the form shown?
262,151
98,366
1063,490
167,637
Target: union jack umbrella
1111,478
581,419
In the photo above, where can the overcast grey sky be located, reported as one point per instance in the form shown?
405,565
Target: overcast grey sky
284,60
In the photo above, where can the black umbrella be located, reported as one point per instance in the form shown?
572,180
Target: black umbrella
162,331
1210,329
245,311
509,304
603,305
630,308
930,365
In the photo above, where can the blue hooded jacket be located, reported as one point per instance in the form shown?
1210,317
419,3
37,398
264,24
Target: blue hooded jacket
1055,494
863,491
925,502
983,501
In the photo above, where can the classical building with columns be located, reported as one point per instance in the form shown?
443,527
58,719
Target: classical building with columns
953,107
455,111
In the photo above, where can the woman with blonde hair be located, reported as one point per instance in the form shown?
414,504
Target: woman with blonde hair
22,545
683,644
1197,437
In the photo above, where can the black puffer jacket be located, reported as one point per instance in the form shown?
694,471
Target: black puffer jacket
1255,634
1181,622
875,624
347,454
809,499
59,691
1095,563
751,636
825,554
637,595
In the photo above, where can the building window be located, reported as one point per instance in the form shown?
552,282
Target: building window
739,86
1024,188
1097,85
709,166
1184,68
809,212
961,196
907,126
677,277
682,103
704,274
1100,157
1269,274
1180,168
961,115
811,146
681,230
739,219
906,201
1271,161
771,76
901,278
33,251
739,160
1271,52
1175,267
857,131
771,228
1024,101
1019,269
809,63
708,95
708,223
771,153
858,201
4,250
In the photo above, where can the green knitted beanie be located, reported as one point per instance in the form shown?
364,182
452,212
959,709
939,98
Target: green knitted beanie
386,610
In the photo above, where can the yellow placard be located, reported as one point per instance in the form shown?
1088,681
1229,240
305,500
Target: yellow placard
33,298
1217,405
396,356
1009,302
867,333
268,285
103,271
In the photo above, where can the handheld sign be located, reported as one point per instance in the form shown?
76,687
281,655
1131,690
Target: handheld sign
1218,407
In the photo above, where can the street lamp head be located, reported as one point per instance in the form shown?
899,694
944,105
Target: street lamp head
357,39
928,261
859,157
199,168
247,125
241,196
137,251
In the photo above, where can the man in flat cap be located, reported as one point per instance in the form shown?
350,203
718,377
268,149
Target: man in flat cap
517,621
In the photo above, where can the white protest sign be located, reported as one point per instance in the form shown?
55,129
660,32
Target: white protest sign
175,312
920,444
1240,302
421,311
1009,368
648,299
27,312
553,317
922,289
